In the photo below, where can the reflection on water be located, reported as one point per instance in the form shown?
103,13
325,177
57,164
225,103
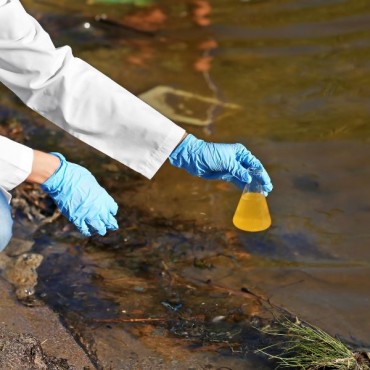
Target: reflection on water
301,72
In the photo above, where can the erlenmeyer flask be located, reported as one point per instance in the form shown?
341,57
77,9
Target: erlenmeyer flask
252,213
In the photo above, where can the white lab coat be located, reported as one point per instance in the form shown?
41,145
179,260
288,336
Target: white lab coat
76,97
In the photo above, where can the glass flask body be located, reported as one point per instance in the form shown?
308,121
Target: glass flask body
252,213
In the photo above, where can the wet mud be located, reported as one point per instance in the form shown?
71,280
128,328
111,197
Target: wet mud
24,352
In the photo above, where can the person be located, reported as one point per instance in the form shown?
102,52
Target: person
93,108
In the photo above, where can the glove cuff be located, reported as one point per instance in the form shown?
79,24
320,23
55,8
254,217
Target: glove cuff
53,182
180,153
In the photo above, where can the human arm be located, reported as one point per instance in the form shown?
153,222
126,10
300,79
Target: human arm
15,164
86,103
78,98
73,188
43,167
76,193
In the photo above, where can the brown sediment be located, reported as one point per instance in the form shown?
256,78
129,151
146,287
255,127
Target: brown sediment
34,338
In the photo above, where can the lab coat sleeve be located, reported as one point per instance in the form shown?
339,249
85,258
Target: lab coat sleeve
78,98
15,164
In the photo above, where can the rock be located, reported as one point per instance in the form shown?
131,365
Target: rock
34,339
24,351
186,107
18,246
20,351
21,272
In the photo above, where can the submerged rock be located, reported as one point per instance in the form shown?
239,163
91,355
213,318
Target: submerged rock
187,107
21,272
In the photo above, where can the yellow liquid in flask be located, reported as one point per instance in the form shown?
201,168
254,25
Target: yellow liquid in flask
252,213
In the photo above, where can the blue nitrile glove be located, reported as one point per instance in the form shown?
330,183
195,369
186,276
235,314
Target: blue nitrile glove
81,199
228,162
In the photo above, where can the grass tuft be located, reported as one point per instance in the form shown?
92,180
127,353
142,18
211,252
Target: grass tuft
303,346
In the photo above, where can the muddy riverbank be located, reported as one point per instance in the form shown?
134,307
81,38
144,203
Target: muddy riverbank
34,337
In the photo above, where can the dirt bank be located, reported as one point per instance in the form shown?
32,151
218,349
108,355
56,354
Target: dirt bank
33,338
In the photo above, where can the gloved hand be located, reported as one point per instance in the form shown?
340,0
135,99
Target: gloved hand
81,199
228,162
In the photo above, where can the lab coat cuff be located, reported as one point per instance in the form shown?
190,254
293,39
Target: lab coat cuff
158,156
7,195
15,163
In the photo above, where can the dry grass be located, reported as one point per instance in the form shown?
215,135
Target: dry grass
304,346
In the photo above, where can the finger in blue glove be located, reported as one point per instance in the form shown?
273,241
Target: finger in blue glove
81,199
228,162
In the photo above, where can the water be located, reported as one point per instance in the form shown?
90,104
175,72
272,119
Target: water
300,71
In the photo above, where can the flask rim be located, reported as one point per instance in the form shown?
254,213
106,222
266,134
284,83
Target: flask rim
255,185
255,171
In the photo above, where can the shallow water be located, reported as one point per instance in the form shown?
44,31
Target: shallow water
300,71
